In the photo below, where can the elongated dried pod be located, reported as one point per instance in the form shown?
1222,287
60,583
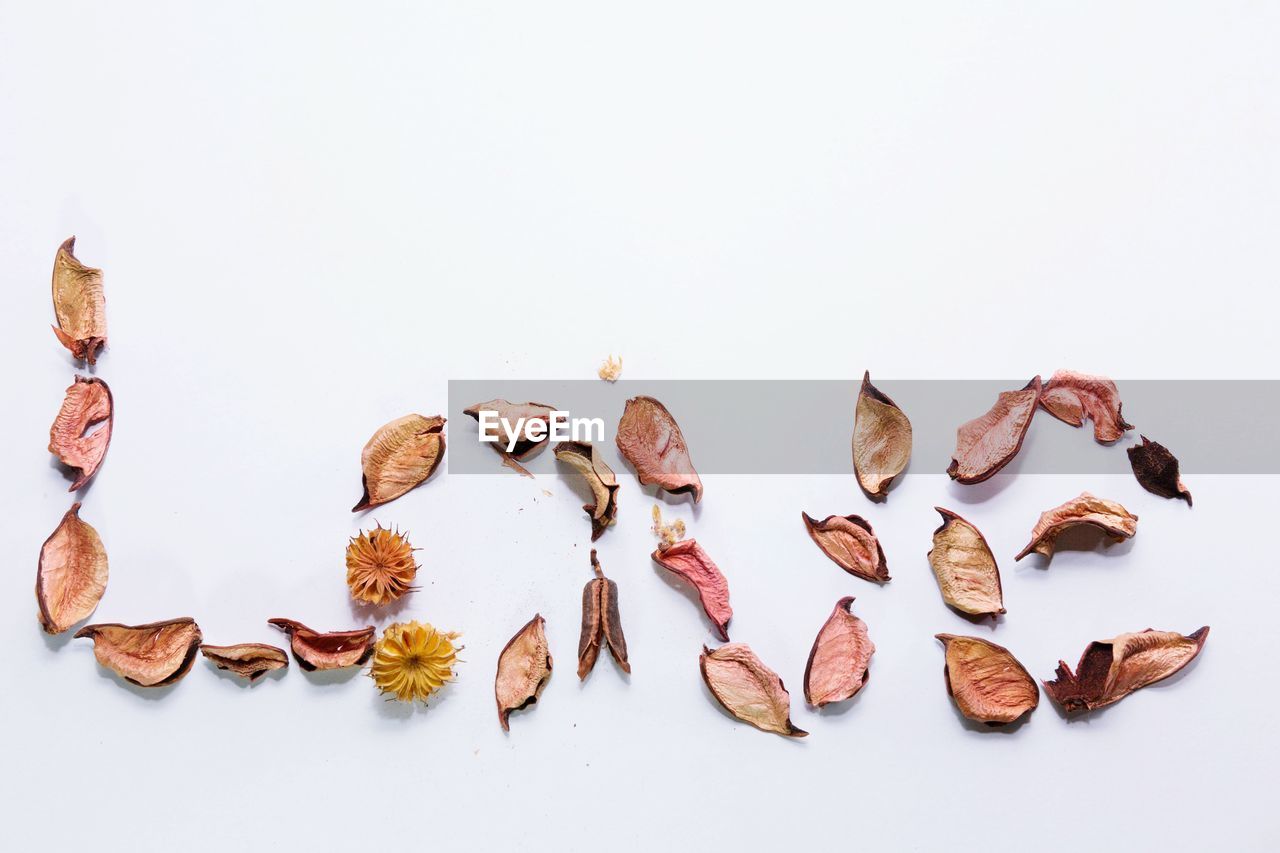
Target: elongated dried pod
1110,670
584,459
851,544
881,440
601,622
965,567
516,416
986,444
1108,516
689,561
986,681
314,650
1157,470
78,304
247,660
400,456
650,439
840,657
524,668
72,438
748,689
1074,398
72,574
151,655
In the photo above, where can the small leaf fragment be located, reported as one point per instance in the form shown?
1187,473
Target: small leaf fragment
748,689
601,622
1110,670
78,304
986,681
514,414
334,650
651,440
838,661
965,567
986,444
881,440
1074,398
1157,470
151,655
72,438
400,456
524,668
1108,516
72,573
851,544
689,561
247,660
583,458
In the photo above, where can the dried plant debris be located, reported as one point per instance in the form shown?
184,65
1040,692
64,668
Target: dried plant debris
400,456
881,440
1110,670
523,670
150,655
986,444
838,661
1108,516
1157,470
584,459
689,561
247,660
511,429
610,369
380,566
78,304
965,567
651,441
851,544
601,622
987,682
72,574
334,650
748,689
1074,398
668,534
414,660
81,433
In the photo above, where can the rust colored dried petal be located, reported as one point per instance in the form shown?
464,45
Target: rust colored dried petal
1157,470
87,404
689,561
523,669
150,655
334,650
247,660
986,444
1110,670
987,682
1074,398
72,573
965,567
584,459
1108,516
851,544
838,661
513,413
748,689
601,622
78,304
400,456
380,566
651,441
881,440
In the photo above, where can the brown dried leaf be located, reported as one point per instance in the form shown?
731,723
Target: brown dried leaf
72,573
881,440
512,413
965,567
78,304
73,438
151,655
986,444
748,689
523,669
334,650
400,456
247,660
1108,516
987,682
1157,470
584,459
1110,670
851,544
838,661
1074,398
689,561
600,622
651,441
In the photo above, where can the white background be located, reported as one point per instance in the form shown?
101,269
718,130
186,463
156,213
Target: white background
311,215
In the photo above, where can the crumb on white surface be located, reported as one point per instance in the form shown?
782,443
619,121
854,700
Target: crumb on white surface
611,369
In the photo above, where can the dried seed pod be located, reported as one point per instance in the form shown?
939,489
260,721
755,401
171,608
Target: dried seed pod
1074,398
1108,516
151,655
247,660
516,415
748,689
78,304
334,650
838,661
400,456
986,444
584,459
689,561
965,567
1110,670
72,438
851,544
72,574
651,441
881,440
380,566
523,669
987,682
414,660
1157,470
601,622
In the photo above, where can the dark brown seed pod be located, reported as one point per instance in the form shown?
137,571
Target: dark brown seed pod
73,439
78,304
1110,670
881,440
151,655
840,657
72,574
689,561
1074,398
1157,470
1108,516
400,456
650,439
524,667
965,567
583,458
986,444
986,681
851,544
334,650
748,689
247,660
601,622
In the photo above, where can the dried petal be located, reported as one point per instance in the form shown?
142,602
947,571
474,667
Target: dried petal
1157,470
1074,398
600,621
400,456
380,566
1110,670
73,438
986,444
689,561
838,661
987,682
150,655
651,441
851,544
78,304
72,573
414,660
513,413
247,660
523,669
748,689
965,567
334,650
881,440
1108,516
599,476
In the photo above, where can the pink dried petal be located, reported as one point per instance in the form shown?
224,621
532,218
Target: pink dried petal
748,689
1074,398
72,437
689,561
650,439
986,444
851,544
1112,669
838,661
1108,516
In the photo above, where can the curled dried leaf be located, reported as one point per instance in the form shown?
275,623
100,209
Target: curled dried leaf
81,432
689,561
986,444
523,669
851,544
1108,516
650,439
1157,470
584,459
400,456
151,655
380,566
881,440
334,650
838,661
78,304
247,660
1074,398
601,622
748,689
414,660
72,574
516,417
987,682
965,567
1110,670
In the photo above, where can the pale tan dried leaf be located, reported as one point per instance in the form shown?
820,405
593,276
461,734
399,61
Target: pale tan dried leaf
987,682
583,457
72,573
400,456
748,689
78,304
151,655
314,650
650,439
881,440
986,444
72,438
838,661
247,660
524,668
1110,670
965,567
1074,398
851,544
1108,516
689,561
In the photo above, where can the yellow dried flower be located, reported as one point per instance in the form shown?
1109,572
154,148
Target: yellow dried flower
414,660
380,565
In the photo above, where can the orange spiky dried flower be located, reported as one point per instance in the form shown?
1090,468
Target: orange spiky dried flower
414,660
380,565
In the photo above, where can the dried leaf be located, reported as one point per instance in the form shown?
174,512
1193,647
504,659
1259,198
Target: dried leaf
513,413
838,661
1157,470
334,650
1074,398
150,655
400,456
73,438
651,441
72,573
1110,670
78,304
414,660
851,544
986,444
523,669
601,622
380,566
987,682
584,459
247,660
881,440
748,689
1108,516
965,567
689,561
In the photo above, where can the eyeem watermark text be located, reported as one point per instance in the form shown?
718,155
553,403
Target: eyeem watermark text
557,426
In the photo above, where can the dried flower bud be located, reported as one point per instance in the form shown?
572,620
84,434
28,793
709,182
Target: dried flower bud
601,622
400,456
335,650
247,660
986,444
965,567
1108,516
380,566
987,682
584,459
689,561
1157,470
611,369
651,441
414,660
668,534
72,573
1074,398
838,661
1110,670
524,668
151,655
748,689
513,414
73,438
881,440
851,544
78,304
